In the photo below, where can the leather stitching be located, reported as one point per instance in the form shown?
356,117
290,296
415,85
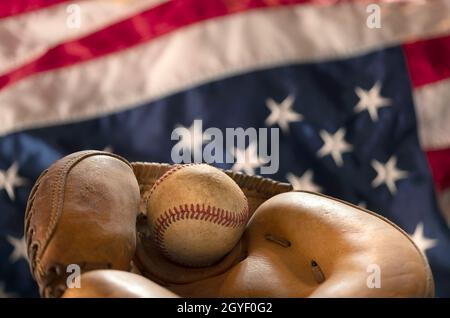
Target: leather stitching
193,211
56,206
197,212
169,173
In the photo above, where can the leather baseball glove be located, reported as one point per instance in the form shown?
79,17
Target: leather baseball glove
87,209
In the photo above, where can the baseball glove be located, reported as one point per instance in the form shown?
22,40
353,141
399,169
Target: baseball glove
87,209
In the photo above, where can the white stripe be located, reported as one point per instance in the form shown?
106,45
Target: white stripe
27,36
433,114
208,51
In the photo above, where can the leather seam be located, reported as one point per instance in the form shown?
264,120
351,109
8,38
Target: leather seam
165,175
192,211
168,174
56,205
386,220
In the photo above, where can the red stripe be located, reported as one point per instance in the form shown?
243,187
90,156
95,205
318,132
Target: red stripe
141,28
439,161
428,60
14,7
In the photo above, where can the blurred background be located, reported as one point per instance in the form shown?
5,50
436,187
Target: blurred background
360,91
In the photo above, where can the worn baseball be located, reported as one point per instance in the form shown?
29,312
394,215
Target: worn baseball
197,214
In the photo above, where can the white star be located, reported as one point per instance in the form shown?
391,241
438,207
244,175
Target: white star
247,160
20,249
371,100
305,182
334,145
388,174
4,293
422,242
282,114
10,179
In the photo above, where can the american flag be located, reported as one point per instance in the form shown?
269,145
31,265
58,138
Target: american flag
363,109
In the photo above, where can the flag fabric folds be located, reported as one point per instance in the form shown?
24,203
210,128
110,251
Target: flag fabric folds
363,112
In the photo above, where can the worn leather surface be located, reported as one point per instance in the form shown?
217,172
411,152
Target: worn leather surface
82,211
192,220
116,284
291,231
87,209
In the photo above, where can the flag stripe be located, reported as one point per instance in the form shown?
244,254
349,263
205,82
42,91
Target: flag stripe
13,7
428,60
48,27
306,59
439,161
97,88
433,114
144,27
138,29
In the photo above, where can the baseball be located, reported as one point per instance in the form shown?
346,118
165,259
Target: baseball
197,214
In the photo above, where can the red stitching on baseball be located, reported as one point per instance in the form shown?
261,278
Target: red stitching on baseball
168,173
204,213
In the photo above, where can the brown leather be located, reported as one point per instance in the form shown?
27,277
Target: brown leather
297,244
116,284
82,211
294,230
